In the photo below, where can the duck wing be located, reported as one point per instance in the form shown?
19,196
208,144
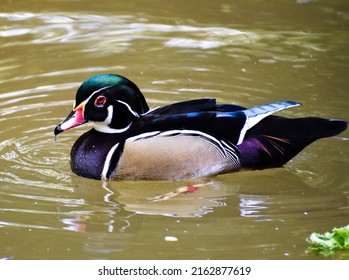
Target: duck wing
224,122
196,105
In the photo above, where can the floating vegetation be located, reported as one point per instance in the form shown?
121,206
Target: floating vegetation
330,243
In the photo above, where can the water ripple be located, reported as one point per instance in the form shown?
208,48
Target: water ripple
118,33
36,169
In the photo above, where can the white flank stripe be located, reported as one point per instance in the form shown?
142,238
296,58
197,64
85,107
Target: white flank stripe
230,148
143,135
186,131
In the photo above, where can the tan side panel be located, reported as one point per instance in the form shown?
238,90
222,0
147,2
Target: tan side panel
171,158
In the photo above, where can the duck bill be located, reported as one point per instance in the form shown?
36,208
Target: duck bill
75,118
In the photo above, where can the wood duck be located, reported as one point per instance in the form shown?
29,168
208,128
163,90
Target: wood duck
184,140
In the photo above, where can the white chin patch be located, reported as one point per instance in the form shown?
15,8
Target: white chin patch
102,127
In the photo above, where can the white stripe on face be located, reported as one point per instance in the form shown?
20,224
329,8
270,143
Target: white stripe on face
91,95
103,126
129,108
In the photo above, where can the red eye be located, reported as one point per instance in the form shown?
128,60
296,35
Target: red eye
100,101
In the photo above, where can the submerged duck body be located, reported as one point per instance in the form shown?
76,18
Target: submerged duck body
183,140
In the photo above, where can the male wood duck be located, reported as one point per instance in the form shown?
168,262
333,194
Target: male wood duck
183,140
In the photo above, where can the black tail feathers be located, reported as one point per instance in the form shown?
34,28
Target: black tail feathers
276,140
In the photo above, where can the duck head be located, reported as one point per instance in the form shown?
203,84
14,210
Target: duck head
110,102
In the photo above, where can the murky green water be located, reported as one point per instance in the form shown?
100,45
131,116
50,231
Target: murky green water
243,52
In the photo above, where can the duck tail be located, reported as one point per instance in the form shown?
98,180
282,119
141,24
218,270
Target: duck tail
276,140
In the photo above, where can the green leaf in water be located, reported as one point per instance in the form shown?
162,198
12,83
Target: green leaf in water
330,243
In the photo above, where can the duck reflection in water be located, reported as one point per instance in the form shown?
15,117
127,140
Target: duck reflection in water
266,196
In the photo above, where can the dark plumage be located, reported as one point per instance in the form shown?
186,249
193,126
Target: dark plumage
180,141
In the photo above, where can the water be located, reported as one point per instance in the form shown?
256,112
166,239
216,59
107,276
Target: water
242,53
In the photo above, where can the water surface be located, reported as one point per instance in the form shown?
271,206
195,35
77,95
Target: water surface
237,52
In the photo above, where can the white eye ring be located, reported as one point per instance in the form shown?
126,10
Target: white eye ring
100,101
